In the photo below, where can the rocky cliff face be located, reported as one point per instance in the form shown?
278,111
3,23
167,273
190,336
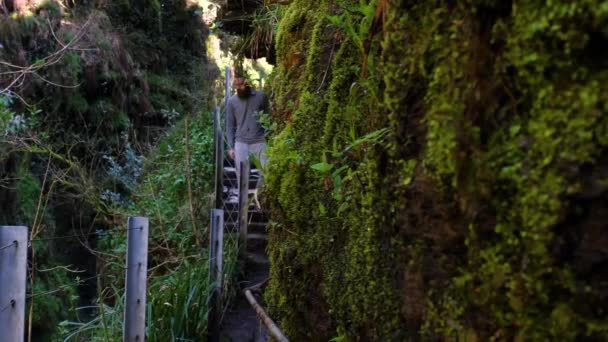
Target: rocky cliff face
439,170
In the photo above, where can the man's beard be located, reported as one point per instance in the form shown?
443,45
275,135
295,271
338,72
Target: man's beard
244,93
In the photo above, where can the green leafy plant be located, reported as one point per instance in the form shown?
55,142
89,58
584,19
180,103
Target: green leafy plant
339,171
6,114
264,25
356,21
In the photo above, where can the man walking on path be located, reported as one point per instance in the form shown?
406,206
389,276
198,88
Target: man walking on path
244,132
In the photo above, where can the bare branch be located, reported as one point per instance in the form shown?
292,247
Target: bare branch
21,72
57,84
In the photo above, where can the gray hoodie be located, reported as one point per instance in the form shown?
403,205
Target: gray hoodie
242,118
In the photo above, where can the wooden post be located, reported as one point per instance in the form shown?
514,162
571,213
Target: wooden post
13,274
227,90
216,251
218,242
243,201
219,215
137,269
219,158
214,328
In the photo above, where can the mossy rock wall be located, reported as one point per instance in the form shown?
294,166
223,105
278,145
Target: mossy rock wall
440,170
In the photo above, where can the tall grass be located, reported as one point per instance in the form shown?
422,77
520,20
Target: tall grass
177,306
264,25
178,281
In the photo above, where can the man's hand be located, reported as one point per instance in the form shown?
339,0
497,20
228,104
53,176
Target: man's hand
231,153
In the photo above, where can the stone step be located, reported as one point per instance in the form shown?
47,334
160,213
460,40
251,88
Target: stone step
231,183
257,236
256,212
231,174
256,228
230,179
250,224
231,201
255,278
256,258
257,242
257,266
252,228
252,216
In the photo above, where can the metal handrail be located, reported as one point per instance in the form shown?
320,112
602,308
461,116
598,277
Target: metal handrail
272,327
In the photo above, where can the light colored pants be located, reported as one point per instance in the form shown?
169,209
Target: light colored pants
242,152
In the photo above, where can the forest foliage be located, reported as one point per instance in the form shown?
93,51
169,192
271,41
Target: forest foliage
102,105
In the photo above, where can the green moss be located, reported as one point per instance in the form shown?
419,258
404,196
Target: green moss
448,227
51,6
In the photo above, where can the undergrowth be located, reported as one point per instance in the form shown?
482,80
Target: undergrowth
79,129
178,289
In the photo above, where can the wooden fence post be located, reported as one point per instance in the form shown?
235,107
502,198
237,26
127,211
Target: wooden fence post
137,270
219,158
243,207
13,276
227,90
216,252
219,242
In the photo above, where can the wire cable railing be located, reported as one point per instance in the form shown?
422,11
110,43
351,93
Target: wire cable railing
14,243
14,276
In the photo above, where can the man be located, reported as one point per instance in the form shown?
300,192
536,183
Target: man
244,132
